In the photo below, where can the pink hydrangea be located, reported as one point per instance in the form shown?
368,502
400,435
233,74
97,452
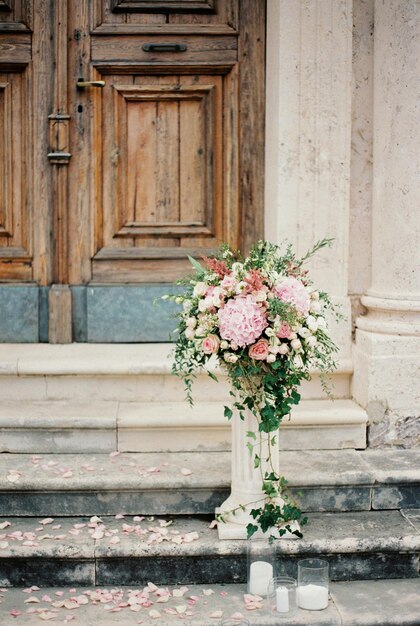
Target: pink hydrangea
293,291
242,320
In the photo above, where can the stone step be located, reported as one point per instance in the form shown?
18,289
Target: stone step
356,603
64,426
100,397
134,550
197,482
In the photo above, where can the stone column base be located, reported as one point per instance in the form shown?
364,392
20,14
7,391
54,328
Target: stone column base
386,383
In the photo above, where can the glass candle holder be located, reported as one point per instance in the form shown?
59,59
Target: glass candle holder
261,562
313,584
281,596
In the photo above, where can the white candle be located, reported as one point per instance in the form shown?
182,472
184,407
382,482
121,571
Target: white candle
282,599
260,575
312,597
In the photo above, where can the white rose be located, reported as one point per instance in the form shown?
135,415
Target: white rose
200,289
187,305
271,358
260,296
293,336
315,295
189,333
283,348
200,331
312,323
315,307
296,344
236,267
233,345
191,322
230,358
273,349
224,345
304,332
311,341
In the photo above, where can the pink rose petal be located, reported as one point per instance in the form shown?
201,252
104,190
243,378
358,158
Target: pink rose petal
216,614
47,520
4,525
185,471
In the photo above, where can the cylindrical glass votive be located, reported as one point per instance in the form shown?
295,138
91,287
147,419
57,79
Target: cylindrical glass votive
313,584
260,565
281,596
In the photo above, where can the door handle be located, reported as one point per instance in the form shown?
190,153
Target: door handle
81,84
164,47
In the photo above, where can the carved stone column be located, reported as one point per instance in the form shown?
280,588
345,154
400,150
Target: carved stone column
246,488
388,337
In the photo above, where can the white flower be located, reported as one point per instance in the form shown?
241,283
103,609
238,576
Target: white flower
200,289
321,322
240,287
296,344
187,305
304,332
311,341
230,357
271,358
273,349
179,299
233,345
315,306
293,336
189,333
191,322
260,296
297,361
224,345
283,348
236,267
315,295
312,323
200,331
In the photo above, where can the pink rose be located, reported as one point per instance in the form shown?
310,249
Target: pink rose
284,331
210,344
259,351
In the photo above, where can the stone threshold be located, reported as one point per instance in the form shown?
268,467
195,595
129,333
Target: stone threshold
369,545
180,483
358,603
42,359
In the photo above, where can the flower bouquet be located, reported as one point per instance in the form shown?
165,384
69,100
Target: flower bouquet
265,323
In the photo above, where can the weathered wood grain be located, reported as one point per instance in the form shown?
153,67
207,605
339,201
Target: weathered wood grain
59,314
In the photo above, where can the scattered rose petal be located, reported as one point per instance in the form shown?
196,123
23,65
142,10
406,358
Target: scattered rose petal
67,474
208,592
47,520
3,545
94,520
114,453
31,599
181,609
98,534
4,525
56,527
237,615
193,536
223,593
59,593
15,613
154,614
138,518
185,471
46,615
178,593
82,599
71,604
114,540
213,524
216,614
119,516
13,477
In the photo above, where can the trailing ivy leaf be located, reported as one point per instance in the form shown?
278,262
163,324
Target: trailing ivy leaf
250,447
251,435
228,412
251,529
256,461
213,376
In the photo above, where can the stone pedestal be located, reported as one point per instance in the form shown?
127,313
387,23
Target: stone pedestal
246,489
388,337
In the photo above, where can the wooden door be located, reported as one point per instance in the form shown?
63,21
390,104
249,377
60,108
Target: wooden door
135,139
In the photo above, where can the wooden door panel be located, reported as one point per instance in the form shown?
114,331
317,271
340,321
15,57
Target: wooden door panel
130,15
15,215
161,173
